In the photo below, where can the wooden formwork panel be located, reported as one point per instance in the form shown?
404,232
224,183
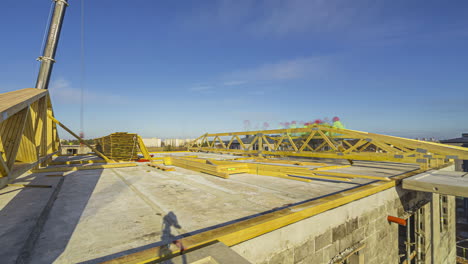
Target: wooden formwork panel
119,146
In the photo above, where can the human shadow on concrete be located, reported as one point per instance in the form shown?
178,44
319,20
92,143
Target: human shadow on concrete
170,221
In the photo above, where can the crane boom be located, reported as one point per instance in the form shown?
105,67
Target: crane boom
47,59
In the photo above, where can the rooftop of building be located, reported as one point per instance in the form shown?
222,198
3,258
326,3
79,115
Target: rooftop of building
101,214
462,139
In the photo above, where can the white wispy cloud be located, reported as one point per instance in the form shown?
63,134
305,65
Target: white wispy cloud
283,70
297,68
360,22
62,91
234,83
201,88
297,16
279,17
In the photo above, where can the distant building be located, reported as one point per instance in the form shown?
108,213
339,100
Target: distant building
152,142
75,149
460,165
177,142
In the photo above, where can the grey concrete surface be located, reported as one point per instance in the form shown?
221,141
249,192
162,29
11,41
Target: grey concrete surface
102,214
442,182
23,210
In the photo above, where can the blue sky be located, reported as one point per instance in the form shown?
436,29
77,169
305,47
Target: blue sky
183,68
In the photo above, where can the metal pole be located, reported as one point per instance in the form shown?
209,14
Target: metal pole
408,241
47,59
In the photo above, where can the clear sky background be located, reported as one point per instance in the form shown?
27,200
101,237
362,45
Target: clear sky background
183,68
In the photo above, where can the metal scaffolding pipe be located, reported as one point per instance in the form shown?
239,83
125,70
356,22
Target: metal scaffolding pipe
47,59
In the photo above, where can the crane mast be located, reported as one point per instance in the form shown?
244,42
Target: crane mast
47,59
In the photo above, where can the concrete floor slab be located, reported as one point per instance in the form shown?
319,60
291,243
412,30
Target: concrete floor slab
23,210
102,214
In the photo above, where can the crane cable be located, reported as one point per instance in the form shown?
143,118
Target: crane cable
82,62
38,65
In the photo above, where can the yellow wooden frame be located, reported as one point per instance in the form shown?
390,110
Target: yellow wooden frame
323,141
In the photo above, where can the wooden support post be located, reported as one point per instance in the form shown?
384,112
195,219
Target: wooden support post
30,185
92,167
14,136
81,140
3,167
143,149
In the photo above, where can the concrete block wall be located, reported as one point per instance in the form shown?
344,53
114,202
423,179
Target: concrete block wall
444,241
319,238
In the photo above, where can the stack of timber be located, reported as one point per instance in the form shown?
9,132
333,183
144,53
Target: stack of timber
160,167
202,165
223,168
119,146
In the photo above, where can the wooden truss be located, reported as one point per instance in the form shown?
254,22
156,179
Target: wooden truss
323,141
28,135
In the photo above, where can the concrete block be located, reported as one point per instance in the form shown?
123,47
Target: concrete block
381,222
316,258
390,207
382,210
373,214
358,235
323,240
352,225
304,250
382,234
339,232
364,219
345,243
330,251
284,257
369,229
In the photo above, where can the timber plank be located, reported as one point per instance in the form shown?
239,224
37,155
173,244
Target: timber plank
13,102
92,167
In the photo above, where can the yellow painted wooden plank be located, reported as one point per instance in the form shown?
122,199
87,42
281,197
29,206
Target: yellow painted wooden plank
76,162
92,167
197,166
79,139
349,175
13,102
331,167
15,135
143,148
280,175
161,167
30,185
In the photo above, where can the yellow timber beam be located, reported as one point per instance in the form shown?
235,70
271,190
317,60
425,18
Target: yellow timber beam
92,167
76,162
324,141
81,140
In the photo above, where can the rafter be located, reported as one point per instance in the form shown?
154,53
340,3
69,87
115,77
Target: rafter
343,144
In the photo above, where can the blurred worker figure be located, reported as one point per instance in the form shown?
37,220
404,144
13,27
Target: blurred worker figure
293,126
337,123
306,125
322,123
